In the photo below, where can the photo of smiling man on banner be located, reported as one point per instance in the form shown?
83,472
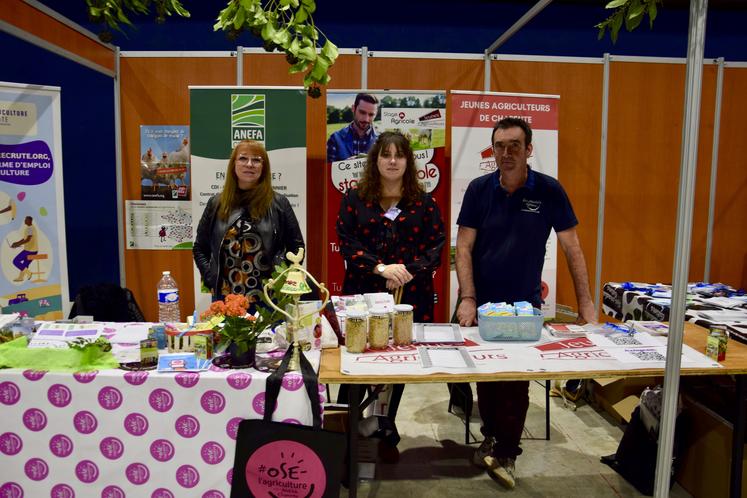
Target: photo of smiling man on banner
356,138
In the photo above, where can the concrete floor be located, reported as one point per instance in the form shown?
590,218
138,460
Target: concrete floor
435,462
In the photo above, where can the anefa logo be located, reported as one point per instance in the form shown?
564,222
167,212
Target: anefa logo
286,468
530,206
247,118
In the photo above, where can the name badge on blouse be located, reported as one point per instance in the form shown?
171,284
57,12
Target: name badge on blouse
392,213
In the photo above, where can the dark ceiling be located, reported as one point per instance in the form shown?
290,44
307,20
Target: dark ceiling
564,27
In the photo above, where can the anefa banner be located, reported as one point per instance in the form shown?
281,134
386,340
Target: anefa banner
354,121
33,257
473,116
221,117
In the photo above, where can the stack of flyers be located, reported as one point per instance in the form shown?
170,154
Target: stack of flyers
650,326
565,329
182,362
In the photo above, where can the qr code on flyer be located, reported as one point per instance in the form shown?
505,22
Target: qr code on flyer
647,355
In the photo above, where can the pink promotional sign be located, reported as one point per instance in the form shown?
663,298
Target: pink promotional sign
286,468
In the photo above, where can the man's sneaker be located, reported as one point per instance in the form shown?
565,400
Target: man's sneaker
485,449
502,470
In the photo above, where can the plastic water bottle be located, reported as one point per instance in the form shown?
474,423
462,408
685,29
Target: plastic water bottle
168,299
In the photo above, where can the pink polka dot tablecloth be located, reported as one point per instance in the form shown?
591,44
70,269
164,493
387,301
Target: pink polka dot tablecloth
114,434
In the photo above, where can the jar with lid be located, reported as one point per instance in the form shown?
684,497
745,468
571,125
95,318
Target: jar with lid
356,331
378,328
402,325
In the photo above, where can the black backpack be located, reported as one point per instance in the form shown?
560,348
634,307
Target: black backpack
107,303
635,458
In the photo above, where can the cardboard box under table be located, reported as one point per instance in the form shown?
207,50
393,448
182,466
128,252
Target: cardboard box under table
705,458
619,396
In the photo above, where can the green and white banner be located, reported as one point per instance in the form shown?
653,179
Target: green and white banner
220,117
33,255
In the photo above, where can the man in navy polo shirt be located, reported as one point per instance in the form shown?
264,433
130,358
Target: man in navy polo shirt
504,224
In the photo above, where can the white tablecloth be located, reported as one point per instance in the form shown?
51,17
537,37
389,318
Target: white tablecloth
113,434
548,354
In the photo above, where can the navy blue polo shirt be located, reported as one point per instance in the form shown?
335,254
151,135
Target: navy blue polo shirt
512,232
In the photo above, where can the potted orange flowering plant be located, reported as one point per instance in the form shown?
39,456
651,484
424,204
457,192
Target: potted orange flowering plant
238,330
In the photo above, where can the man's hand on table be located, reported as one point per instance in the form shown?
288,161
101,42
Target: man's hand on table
587,313
467,313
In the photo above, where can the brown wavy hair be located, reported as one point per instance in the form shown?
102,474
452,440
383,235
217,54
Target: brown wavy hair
369,187
257,199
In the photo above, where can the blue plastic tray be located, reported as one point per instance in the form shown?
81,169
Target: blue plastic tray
510,328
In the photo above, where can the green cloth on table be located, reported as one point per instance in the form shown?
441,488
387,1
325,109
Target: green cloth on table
16,354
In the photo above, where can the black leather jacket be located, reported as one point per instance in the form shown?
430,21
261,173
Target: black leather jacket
278,228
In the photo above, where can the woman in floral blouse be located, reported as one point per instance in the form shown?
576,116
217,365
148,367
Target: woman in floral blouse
391,232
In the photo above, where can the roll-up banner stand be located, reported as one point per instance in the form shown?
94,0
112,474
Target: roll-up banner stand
220,117
32,211
473,115
419,115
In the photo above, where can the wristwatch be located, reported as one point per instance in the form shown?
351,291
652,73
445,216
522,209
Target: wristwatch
380,268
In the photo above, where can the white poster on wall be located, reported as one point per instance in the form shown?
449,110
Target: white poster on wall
159,224
473,116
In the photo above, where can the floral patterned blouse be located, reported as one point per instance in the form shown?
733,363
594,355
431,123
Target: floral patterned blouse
243,261
414,237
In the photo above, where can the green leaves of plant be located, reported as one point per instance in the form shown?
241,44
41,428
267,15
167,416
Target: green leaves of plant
329,50
286,25
114,12
615,4
651,14
239,19
630,12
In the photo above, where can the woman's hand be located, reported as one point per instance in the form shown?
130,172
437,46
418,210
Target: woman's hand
397,275
392,285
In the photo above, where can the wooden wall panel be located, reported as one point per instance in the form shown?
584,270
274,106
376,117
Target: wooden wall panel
154,91
703,176
729,258
580,90
643,166
272,70
424,74
31,20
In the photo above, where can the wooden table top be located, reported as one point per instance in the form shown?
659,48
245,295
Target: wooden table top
695,337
